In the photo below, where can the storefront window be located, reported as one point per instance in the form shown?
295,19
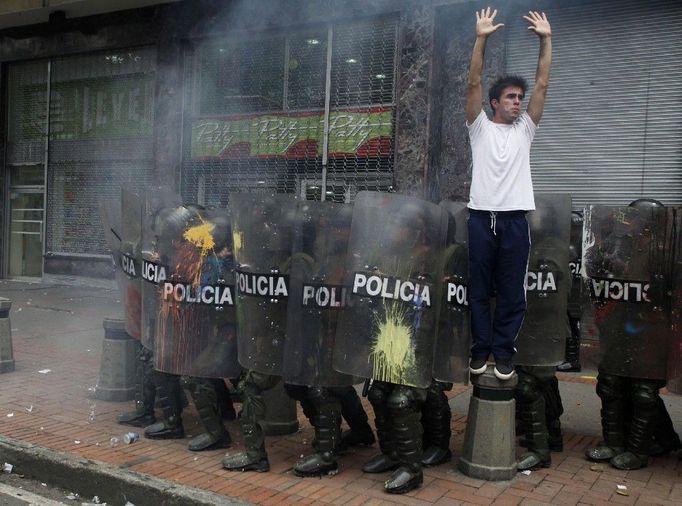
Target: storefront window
258,113
99,136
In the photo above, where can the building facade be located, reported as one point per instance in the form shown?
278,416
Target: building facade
317,98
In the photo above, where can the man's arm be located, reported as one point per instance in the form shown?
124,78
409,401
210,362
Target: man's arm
540,25
484,27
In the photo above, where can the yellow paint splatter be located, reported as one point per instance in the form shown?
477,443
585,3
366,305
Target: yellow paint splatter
201,237
392,355
237,241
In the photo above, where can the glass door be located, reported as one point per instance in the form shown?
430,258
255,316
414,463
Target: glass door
27,219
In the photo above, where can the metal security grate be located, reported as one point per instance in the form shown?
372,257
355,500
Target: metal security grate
100,136
259,109
27,113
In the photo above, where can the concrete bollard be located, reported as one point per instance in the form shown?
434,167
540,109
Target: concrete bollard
280,412
489,451
117,370
6,351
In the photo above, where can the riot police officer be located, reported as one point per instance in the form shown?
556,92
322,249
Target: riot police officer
628,275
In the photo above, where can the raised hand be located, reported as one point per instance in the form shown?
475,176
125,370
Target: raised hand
485,22
538,23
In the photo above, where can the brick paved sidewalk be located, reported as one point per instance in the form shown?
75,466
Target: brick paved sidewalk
59,328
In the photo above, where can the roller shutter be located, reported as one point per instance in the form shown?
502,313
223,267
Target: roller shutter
612,127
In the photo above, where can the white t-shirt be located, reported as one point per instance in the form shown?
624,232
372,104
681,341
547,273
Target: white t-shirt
501,178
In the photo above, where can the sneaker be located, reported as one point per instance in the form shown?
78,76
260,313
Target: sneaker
504,369
478,365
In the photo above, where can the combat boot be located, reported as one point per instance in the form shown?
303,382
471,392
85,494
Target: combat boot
241,461
610,389
360,433
665,438
531,461
533,422
603,452
435,455
327,424
629,461
204,395
168,398
435,420
645,421
145,394
404,405
387,460
253,412
254,458
317,464
168,428
405,478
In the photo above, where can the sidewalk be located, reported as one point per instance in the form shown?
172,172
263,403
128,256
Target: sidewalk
60,328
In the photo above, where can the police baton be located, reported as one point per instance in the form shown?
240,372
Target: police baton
365,387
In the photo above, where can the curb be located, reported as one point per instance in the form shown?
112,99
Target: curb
112,484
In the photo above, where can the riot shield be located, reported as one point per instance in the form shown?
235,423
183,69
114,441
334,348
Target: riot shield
158,202
575,249
393,271
453,341
317,298
129,260
110,213
626,255
195,333
262,230
542,338
675,355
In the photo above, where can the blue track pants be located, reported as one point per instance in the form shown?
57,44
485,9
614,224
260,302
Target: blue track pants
499,245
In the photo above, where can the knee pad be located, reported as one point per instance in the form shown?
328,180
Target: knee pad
404,397
528,388
644,396
436,387
318,394
378,395
252,384
610,387
436,399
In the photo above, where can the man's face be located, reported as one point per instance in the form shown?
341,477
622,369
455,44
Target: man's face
508,107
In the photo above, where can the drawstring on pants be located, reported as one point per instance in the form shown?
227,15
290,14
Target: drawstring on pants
493,222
